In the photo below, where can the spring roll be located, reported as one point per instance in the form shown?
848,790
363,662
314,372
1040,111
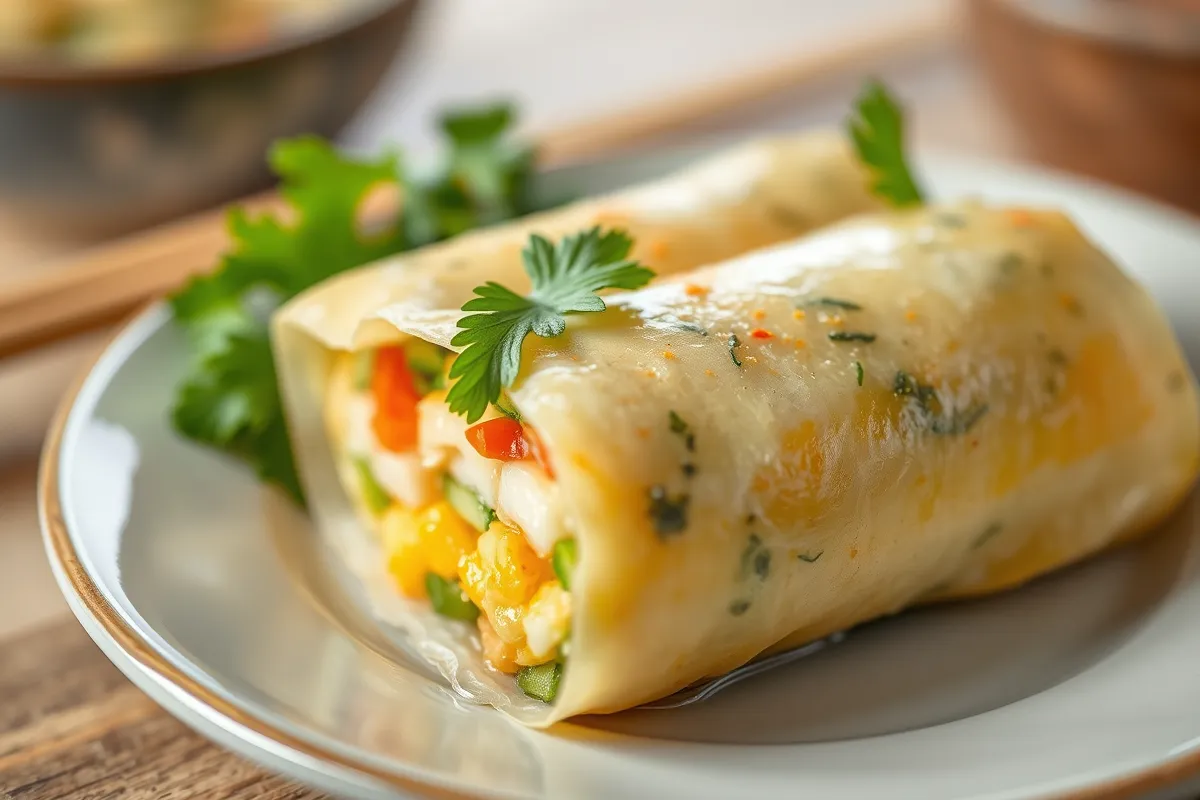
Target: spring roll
901,408
751,195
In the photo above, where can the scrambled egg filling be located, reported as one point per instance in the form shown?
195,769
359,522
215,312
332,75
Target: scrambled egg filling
436,508
525,612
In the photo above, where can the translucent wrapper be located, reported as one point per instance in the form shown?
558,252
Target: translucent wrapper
901,408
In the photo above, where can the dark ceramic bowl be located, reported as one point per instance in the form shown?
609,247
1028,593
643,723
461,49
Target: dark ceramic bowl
95,150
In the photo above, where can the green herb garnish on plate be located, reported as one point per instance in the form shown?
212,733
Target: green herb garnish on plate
229,398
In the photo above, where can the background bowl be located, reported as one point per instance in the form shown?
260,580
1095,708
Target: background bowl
95,150
1107,88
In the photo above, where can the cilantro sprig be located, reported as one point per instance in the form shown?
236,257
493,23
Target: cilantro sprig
228,398
566,278
876,127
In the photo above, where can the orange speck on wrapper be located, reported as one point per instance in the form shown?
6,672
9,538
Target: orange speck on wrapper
760,333
659,249
667,354
910,315
759,314
695,290
853,552
1020,218
798,314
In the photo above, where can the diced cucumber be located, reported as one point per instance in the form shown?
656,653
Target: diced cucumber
448,598
374,495
504,405
563,558
364,369
540,682
467,504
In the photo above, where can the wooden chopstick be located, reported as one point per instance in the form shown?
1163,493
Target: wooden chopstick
108,283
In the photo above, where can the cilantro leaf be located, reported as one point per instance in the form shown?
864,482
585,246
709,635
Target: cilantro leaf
231,401
565,280
486,177
229,398
324,190
877,129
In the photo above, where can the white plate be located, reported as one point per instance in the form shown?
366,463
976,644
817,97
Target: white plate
220,605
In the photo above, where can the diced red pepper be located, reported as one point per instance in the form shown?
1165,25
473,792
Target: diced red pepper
396,397
501,439
505,439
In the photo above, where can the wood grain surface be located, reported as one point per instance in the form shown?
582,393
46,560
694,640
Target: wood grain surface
72,726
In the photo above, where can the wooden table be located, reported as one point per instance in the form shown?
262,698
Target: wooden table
70,725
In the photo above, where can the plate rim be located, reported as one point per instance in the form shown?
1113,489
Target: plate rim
70,572
73,578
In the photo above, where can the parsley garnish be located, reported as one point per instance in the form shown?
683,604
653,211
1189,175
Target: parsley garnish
756,558
739,607
668,513
228,398
858,371
680,428
833,302
939,421
809,559
565,280
733,344
851,336
877,129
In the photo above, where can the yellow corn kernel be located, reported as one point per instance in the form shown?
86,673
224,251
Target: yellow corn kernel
500,654
446,538
406,561
504,570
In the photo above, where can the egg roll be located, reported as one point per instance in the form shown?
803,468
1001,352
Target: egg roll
903,407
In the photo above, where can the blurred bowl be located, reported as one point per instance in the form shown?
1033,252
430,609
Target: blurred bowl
1110,88
89,150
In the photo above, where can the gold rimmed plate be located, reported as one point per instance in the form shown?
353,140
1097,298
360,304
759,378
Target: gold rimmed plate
216,599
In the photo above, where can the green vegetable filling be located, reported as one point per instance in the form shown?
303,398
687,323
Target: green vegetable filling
374,495
541,682
364,369
448,598
564,558
467,504
428,363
